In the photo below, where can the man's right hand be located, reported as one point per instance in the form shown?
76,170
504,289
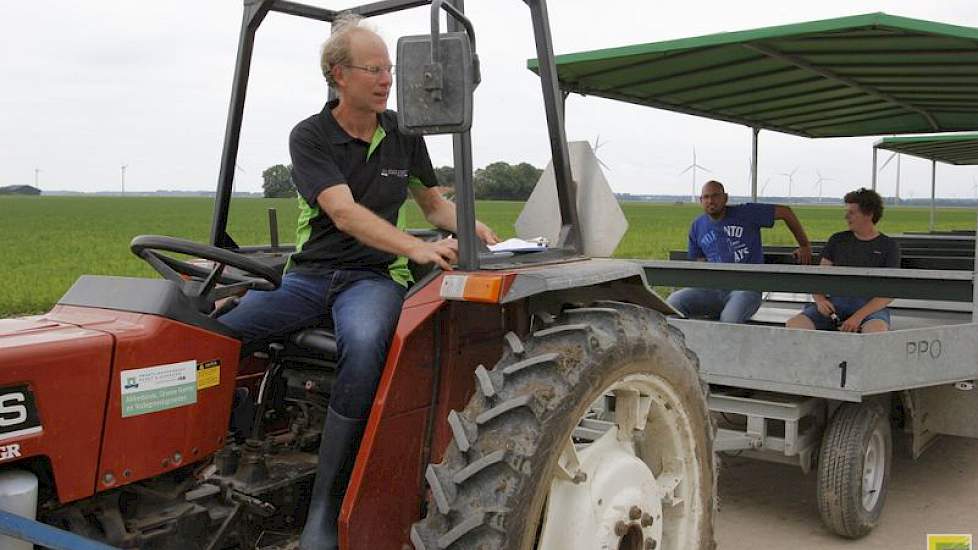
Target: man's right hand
442,253
824,306
803,254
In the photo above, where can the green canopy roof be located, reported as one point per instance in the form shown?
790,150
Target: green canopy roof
861,75
960,149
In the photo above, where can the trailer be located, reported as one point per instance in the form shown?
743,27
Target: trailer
825,401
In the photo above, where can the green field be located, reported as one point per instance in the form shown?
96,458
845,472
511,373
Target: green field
47,242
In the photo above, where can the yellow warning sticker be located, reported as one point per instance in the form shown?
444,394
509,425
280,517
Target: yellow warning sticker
949,542
208,374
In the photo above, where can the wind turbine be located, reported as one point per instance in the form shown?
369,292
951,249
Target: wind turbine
597,145
818,184
123,167
896,199
693,167
234,180
763,187
791,180
36,172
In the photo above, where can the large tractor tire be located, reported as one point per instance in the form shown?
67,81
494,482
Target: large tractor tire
854,469
593,433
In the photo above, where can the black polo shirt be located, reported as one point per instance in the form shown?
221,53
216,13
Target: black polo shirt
846,250
378,174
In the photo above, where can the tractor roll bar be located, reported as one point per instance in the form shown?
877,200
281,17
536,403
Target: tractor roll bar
255,12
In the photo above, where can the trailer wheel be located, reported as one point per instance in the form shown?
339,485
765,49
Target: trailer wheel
593,433
854,469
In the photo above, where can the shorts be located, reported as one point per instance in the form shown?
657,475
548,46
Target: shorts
845,306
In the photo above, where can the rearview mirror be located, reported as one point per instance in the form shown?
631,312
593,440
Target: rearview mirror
434,93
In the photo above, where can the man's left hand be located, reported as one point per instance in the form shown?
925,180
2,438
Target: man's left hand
485,234
852,324
803,254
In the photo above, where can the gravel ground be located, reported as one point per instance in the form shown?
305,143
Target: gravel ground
765,505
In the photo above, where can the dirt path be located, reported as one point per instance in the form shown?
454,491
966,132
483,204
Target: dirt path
767,505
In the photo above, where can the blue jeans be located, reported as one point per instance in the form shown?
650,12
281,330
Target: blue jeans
845,306
728,306
364,307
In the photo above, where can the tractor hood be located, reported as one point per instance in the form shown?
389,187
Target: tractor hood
62,375
29,331
54,376
25,324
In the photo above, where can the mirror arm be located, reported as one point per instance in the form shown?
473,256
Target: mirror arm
436,6
458,15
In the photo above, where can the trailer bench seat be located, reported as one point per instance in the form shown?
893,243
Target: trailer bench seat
778,307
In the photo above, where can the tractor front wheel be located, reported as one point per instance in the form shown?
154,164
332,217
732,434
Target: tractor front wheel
593,433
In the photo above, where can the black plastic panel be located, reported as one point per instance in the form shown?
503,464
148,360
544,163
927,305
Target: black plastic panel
150,296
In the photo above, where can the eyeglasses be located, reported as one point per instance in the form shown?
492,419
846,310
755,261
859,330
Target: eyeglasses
709,196
374,70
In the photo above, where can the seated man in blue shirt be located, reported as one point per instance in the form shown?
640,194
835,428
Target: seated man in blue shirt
732,234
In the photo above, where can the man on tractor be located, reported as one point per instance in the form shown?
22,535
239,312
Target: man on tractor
352,168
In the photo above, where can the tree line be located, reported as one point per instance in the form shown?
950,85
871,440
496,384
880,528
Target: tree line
497,181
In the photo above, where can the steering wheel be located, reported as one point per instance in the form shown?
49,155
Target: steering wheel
200,283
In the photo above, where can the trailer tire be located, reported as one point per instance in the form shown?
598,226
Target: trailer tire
512,446
854,469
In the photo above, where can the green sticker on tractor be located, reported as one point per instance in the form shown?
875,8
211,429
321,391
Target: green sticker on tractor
158,388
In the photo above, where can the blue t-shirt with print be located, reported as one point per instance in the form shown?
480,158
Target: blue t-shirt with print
736,238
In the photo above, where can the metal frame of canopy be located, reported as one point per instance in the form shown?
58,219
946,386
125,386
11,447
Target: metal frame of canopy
872,74
955,149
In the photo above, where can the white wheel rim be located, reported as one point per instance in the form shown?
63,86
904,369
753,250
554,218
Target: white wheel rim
631,486
874,466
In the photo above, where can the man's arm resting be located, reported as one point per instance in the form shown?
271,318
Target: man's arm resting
804,251
372,230
440,212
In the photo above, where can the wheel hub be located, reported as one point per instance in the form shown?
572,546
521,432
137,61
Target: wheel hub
616,504
874,465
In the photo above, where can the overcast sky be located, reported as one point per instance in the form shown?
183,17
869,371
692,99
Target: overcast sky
86,87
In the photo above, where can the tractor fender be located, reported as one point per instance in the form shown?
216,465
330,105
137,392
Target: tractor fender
549,287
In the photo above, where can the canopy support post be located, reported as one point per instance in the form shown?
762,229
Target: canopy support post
974,296
933,192
875,154
753,163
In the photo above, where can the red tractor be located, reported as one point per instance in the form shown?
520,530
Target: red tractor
528,401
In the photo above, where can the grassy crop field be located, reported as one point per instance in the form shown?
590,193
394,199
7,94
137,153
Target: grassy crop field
47,242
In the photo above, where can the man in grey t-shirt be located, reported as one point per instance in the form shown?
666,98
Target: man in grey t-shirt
862,246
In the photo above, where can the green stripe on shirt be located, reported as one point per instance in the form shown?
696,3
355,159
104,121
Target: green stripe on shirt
398,269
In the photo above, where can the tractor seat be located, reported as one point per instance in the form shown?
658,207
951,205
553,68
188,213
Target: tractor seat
320,341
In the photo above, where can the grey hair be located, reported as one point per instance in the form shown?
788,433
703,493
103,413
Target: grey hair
336,50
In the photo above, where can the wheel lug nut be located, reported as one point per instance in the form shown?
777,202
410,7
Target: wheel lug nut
634,513
650,544
646,520
621,528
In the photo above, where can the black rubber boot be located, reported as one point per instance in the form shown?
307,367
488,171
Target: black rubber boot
337,454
